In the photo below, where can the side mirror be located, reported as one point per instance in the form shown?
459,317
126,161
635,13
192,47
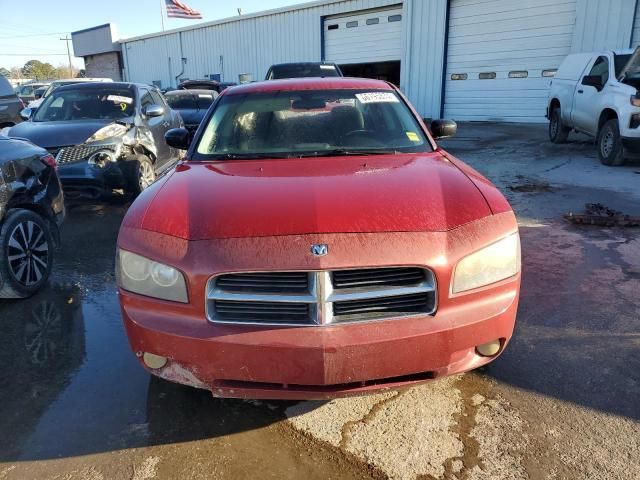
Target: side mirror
593,81
153,111
26,113
443,128
37,95
178,138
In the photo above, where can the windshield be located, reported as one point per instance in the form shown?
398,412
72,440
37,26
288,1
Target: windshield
87,103
302,70
192,101
311,123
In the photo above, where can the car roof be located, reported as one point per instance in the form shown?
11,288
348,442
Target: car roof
191,92
304,64
313,83
96,85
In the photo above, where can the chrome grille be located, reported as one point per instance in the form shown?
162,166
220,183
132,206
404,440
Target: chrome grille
371,277
320,298
272,312
265,282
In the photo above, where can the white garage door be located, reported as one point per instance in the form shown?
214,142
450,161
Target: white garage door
501,54
364,37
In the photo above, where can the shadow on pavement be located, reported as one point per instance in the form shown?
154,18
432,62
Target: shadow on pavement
578,329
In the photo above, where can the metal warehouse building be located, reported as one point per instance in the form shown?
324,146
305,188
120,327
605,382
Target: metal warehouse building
459,59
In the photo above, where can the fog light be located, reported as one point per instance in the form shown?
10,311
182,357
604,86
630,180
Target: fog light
488,349
154,361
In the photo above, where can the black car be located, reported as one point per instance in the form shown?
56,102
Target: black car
200,85
105,136
191,104
303,69
31,211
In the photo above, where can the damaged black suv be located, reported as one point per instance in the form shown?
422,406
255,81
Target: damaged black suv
104,136
31,212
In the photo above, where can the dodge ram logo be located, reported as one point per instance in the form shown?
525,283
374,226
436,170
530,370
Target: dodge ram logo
319,249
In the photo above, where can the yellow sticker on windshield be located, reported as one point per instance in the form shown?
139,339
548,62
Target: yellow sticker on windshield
123,106
413,136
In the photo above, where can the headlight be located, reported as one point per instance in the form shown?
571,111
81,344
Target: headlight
138,274
108,154
491,264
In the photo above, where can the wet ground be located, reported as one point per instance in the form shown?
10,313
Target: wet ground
561,403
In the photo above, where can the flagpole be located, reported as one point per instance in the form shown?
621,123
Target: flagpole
162,13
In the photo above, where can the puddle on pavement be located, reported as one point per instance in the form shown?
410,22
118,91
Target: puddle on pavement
70,386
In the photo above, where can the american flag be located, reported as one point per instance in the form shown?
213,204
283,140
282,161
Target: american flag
177,9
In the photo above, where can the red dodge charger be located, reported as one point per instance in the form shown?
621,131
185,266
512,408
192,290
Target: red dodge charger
314,243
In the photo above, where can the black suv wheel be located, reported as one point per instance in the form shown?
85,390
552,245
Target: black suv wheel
26,254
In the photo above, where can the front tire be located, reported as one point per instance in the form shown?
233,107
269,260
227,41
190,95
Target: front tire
610,149
558,133
26,254
141,175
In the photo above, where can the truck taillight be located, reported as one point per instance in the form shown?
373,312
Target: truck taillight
49,160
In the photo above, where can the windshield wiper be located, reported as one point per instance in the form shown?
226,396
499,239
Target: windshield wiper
338,152
247,156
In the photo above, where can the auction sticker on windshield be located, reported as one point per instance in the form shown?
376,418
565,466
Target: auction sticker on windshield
377,97
119,99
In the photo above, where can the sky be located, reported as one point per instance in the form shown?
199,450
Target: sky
33,30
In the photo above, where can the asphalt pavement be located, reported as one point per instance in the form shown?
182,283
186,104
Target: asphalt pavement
560,403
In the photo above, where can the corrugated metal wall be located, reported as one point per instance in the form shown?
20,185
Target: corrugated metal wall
603,24
251,44
421,70
247,45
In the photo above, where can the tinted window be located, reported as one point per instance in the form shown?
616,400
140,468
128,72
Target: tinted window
352,24
85,103
312,123
205,100
394,18
601,69
182,102
26,90
373,21
157,98
620,62
302,70
5,87
146,99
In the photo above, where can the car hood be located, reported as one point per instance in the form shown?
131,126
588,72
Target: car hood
241,198
58,134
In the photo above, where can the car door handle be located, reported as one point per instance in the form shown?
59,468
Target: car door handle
580,91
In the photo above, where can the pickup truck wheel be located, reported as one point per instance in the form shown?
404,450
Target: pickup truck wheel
26,254
141,174
610,149
558,133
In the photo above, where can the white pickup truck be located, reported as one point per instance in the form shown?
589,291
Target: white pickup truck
597,94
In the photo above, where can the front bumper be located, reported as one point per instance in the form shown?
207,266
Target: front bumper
319,362
631,144
82,179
